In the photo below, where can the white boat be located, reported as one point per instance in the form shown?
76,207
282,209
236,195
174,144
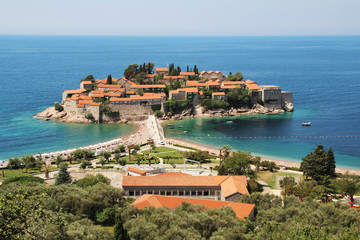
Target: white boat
306,124
229,121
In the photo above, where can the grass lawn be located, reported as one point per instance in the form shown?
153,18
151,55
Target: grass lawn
270,177
9,173
160,150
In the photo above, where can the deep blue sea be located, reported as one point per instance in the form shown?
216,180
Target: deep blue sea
323,73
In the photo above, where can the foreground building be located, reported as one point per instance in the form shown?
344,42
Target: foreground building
225,188
242,210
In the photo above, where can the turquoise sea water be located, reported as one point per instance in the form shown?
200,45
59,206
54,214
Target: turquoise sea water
323,73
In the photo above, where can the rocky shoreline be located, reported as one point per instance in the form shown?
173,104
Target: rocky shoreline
199,111
233,112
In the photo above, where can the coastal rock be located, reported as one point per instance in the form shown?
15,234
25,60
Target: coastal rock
288,107
47,113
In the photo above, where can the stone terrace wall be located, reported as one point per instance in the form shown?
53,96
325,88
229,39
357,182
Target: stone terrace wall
133,112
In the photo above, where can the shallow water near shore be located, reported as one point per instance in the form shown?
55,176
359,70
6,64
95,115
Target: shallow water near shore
323,73
275,136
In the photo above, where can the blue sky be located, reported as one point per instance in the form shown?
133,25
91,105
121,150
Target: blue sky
184,17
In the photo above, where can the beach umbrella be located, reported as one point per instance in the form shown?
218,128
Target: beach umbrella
351,202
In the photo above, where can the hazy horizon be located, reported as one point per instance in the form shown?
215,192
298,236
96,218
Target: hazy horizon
185,18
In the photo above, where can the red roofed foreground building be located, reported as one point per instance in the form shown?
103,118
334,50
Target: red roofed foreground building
228,188
241,210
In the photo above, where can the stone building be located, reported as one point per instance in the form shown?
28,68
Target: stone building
219,96
159,71
211,75
225,188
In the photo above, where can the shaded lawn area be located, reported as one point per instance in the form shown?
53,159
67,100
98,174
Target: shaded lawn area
160,150
270,177
9,173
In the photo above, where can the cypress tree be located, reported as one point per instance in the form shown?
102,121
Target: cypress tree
119,232
109,79
187,68
144,68
196,70
330,163
63,176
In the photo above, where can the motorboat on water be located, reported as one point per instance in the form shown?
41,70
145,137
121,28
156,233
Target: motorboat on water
306,124
229,121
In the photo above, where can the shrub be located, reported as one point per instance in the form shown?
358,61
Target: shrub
23,179
91,180
156,107
210,104
58,107
89,116
177,106
159,113
106,217
111,114
122,162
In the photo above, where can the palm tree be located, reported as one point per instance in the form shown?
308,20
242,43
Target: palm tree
46,169
225,151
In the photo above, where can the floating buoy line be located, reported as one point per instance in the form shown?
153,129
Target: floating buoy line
277,137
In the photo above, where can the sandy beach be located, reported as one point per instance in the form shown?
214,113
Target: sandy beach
215,151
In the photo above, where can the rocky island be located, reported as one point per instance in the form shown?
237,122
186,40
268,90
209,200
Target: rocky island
168,93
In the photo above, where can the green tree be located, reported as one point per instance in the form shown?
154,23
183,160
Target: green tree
224,152
131,71
348,184
102,161
91,180
287,185
158,113
59,160
14,163
239,98
107,155
120,232
58,107
29,161
89,78
84,164
319,165
117,157
63,177
238,163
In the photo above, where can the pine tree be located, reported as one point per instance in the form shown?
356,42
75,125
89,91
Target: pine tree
109,79
187,68
63,176
319,165
144,68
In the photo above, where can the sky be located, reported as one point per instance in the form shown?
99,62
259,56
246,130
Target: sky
181,17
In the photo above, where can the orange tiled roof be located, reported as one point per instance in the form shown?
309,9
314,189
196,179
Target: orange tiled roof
242,210
187,73
97,91
192,90
195,84
213,83
250,81
138,97
109,86
114,94
97,95
201,93
253,86
150,75
86,82
202,72
131,83
234,83
116,89
161,70
174,77
130,92
79,105
119,99
135,170
218,94
75,91
149,86
94,104
154,94
182,180
230,87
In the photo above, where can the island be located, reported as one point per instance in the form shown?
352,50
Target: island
167,92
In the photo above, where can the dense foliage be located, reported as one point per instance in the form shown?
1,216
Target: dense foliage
177,106
91,180
210,104
201,156
23,179
237,77
239,98
237,163
58,107
319,165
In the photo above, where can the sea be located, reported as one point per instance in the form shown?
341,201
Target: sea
323,72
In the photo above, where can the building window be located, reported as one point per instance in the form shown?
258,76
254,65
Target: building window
206,193
181,193
162,192
168,193
131,193
193,193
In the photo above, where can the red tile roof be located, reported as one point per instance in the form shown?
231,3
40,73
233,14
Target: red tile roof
119,99
195,84
187,73
234,82
135,170
253,86
218,94
213,83
109,86
192,90
161,70
241,210
230,87
148,86
228,188
173,77
75,91
86,82
150,75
